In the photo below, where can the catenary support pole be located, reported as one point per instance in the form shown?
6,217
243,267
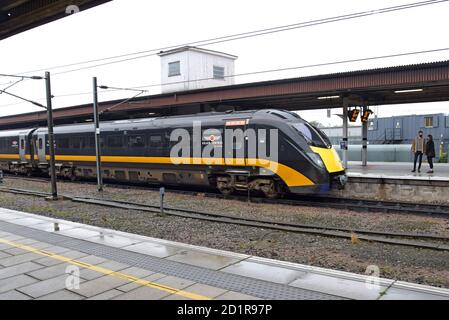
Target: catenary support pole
97,137
345,132
364,140
51,140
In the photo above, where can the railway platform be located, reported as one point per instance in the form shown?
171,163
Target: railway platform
398,170
47,259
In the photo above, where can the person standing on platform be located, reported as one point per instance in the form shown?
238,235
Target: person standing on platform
418,148
430,152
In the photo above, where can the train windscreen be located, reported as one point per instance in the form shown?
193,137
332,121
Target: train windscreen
312,135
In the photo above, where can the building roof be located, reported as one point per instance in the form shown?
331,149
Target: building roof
196,49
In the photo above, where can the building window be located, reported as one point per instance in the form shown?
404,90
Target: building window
219,73
428,122
174,69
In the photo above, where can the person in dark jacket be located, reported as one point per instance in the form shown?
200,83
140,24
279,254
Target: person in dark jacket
430,152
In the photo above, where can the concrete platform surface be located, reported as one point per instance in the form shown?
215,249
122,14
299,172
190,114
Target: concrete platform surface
47,259
398,170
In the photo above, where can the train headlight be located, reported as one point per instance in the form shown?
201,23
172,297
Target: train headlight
316,158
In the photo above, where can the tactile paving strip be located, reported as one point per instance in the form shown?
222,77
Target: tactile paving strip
254,287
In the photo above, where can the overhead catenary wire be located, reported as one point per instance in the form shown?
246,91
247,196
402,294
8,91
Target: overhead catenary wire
234,37
330,63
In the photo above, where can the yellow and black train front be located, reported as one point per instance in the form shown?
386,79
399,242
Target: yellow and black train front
315,165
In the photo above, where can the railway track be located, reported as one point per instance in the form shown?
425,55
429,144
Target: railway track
292,200
416,240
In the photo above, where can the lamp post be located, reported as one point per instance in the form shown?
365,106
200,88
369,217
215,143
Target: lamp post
49,108
51,140
97,125
97,137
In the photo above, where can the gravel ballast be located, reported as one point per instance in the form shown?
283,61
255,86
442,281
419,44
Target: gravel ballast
417,265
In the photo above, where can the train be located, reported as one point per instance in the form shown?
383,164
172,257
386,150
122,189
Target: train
270,151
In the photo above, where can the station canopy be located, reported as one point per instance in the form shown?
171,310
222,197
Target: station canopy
426,82
17,16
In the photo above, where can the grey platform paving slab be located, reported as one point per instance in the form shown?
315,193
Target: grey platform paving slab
4,254
113,265
97,286
14,295
131,286
113,240
19,269
15,282
108,295
399,170
406,291
175,282
211,261
205,290
348,288
46,273
231,295
156,250
80,233
27,221
62,295
43,288
14,260
143,293
94,260
50,226
264,272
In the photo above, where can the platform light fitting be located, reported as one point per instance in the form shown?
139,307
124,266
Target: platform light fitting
353,114
409,90
328,97
366,114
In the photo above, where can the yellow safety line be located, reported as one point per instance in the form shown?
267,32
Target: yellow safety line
105,271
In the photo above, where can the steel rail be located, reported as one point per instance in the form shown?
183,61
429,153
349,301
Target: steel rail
347,233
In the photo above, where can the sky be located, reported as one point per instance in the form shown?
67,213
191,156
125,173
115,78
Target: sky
126,26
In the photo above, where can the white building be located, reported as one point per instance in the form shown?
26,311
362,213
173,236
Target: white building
189,68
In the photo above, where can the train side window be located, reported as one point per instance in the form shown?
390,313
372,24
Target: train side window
22,144
41,144
63,143
76,143
115,141
136,141
91,141
156,141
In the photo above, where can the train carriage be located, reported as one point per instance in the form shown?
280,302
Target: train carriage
229,151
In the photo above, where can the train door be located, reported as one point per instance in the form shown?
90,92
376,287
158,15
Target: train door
236,151
22,147
40,143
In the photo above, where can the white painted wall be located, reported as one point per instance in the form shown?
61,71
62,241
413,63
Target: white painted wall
195,66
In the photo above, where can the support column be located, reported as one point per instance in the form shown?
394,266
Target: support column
345,132
51,140
364,140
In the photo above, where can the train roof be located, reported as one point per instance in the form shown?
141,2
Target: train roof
214,118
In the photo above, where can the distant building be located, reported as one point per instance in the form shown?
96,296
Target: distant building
402,129
396,130
390,138
189,68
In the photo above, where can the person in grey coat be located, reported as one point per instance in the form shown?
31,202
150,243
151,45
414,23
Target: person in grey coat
418,149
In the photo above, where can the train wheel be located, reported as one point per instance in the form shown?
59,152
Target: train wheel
226,191
271,191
